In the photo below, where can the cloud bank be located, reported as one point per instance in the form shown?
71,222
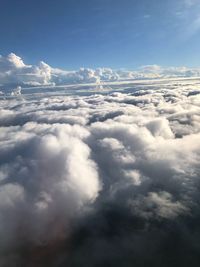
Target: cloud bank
14,72
112,176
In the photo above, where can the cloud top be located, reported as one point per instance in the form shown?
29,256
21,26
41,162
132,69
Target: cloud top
114,176
14,72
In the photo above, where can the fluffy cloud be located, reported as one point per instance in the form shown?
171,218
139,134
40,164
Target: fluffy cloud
47,177
14,72
114,176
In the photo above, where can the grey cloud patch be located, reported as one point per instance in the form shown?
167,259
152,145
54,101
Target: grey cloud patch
113,176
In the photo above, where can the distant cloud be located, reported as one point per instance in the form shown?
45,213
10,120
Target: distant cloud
189,19
14,72
147,16
190,3
194,27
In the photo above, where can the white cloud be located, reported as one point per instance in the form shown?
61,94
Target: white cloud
83,173
14,72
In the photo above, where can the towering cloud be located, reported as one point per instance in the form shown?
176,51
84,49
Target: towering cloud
14,72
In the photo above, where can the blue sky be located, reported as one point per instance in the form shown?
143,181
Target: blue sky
96,33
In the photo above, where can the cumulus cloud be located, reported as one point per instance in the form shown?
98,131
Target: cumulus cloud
114,176
14,72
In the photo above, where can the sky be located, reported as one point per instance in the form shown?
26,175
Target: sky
102,33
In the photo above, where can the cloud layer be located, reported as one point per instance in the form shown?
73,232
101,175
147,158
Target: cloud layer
113,176
14,72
